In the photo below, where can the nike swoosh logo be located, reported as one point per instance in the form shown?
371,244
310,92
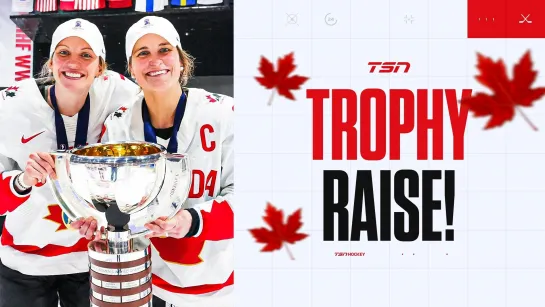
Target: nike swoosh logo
26,140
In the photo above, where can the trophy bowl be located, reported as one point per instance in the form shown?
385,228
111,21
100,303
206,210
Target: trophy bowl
123,185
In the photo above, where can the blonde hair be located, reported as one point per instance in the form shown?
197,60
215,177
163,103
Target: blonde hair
187,61
46,75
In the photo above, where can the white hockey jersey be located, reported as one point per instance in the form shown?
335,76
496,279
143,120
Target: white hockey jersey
37,238
196,271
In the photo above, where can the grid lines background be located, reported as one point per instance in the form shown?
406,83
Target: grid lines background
496,258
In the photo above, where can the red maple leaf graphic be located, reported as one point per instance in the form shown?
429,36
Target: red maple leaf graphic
12,88
55,216
279,80
280,233
508,95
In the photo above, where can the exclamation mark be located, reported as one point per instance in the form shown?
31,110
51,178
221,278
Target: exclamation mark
449,203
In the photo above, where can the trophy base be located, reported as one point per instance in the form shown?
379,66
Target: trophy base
120,280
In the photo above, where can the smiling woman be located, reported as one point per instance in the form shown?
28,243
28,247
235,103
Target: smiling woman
40,264
197,123
73,67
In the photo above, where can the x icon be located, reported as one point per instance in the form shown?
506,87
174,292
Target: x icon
292,19
525,18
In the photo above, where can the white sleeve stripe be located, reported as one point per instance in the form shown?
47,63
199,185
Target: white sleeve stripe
13,174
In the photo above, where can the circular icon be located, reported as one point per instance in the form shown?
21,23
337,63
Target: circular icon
330,20
292,19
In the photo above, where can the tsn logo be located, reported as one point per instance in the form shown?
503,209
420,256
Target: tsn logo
389,67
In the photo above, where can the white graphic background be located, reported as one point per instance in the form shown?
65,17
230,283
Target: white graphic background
496,259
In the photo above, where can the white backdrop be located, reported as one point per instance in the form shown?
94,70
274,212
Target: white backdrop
496,259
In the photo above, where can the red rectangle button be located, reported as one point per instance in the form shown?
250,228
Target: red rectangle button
486,18
525,19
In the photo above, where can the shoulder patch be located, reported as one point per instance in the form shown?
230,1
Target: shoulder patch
9,92
213,97
120,112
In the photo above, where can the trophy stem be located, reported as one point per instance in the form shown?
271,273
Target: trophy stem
119,242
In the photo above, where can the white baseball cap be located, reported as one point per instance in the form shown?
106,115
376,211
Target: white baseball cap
83,29
151,25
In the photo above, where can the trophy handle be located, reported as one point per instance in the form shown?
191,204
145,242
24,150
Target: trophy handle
177,167
61,189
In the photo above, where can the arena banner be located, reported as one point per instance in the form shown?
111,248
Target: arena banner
15,49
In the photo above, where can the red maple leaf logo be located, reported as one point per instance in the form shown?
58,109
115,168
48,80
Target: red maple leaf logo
210,98
508,95
280,233
279,80
55,216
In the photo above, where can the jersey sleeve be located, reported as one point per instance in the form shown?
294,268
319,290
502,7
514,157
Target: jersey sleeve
115,129
216,216
123,92
117,125
10,199
106,130
11,102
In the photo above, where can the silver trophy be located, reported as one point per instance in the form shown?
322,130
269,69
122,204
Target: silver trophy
124,186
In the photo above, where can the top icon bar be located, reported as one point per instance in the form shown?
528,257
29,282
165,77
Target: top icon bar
506,19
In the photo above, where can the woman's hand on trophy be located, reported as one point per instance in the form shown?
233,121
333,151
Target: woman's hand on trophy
87,228
176,227
38,167
99,234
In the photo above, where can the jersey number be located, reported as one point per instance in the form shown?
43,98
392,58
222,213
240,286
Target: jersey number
201,183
